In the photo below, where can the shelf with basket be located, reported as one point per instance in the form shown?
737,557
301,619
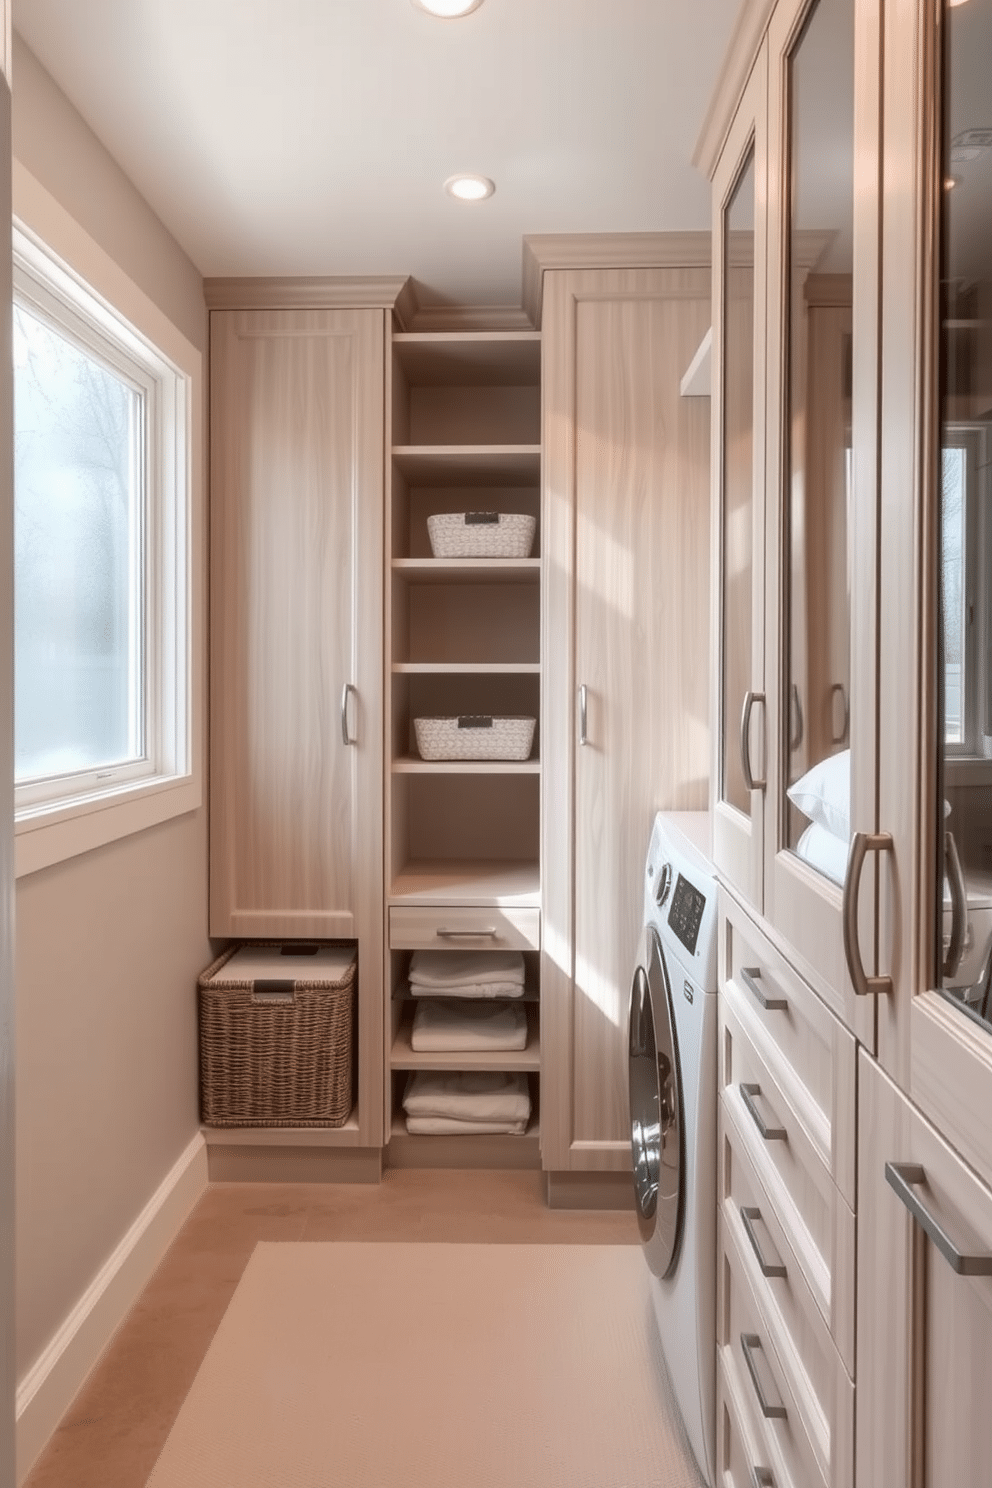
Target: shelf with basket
464,675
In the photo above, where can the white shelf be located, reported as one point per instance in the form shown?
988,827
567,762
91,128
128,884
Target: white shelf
469,464
413,766
404,1057
484,884
467,668
480,570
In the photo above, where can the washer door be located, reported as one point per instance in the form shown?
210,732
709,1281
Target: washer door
656,1111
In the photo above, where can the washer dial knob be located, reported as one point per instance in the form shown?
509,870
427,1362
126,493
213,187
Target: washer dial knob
663,885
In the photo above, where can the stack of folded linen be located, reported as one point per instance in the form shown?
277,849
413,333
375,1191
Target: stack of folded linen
440,1024
465,1102
467,974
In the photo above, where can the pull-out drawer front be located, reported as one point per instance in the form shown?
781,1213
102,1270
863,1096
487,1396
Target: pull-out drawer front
422,928
756,1374
825,1343
797,1331
814,1218
812,1054
744,1456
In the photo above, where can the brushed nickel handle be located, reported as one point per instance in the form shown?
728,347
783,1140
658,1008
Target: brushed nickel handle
903,1179
750,698
862,843
838,689
798,721
959,906
761,1477
767,1268
583,714
750,1343
769,1133
751,977
488,934
347,692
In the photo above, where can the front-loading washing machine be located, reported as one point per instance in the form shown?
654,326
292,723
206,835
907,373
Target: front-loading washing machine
672,1080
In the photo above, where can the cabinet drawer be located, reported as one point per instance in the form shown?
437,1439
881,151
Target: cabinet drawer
810,1051
756,1374
751,1216
800,1335
812,1214
460,928
744,1458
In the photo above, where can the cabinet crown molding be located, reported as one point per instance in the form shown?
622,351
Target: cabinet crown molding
354,292
543,251
735,69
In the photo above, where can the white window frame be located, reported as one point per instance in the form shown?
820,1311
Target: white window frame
61,273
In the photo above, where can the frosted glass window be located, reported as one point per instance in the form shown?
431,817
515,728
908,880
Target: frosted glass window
78,542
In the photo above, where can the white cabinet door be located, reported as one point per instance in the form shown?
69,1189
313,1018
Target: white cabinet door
296,623
924,1301
625,726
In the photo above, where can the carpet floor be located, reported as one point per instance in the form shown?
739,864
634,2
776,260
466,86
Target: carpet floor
432,1366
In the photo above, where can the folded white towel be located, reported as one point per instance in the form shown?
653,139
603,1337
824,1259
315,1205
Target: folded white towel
475,992
443,969
446,1126
468,1095
441,1025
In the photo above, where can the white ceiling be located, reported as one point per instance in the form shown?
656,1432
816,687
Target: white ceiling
314,136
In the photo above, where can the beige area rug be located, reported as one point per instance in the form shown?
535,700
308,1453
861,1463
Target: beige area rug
432,1366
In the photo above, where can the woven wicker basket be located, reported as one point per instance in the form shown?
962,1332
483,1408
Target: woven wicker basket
481,534
474,737
270,1060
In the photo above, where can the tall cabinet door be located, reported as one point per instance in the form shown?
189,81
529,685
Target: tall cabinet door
625,721
822,512
738,451
296,623
924,1301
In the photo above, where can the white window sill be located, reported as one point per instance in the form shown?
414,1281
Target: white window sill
45,835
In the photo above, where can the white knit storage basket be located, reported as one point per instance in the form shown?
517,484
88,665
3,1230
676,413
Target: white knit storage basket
474,737
481,534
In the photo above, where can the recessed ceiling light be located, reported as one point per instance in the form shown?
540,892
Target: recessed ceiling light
448,10
469,188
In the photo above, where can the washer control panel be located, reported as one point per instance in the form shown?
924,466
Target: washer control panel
686,913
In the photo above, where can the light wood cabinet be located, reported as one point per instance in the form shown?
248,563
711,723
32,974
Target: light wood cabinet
296,641
924,1301
625,719
463,641
795,491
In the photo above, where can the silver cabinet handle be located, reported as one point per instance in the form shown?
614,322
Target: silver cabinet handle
751,977
750,698
862,843
488,934
903,1179
761,1477
583,714
769,1133
750,1342
798,722
767,1268
959,906
347,692
839,690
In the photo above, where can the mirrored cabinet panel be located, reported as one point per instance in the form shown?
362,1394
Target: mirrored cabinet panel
814,713
963,807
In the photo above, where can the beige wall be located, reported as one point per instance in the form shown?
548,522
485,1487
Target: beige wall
108,943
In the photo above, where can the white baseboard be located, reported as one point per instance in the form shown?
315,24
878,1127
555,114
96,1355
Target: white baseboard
52,1383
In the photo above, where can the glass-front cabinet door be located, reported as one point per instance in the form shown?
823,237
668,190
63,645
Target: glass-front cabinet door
822,593
738,381
936,1036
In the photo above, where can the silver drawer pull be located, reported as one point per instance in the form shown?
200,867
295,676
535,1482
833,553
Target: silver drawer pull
751,977
750,1343
750,698
347,692
583,714
488,934
903,1179
770,1133
767,1268
761,1477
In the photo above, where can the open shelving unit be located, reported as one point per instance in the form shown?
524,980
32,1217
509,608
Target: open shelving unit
462,637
